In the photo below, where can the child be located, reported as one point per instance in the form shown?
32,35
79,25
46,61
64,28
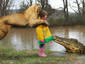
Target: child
43,32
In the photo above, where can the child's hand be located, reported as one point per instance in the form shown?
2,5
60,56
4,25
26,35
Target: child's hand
42,41
54,34
45,21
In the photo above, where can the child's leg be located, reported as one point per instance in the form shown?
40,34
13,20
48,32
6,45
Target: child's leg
41,50
41,45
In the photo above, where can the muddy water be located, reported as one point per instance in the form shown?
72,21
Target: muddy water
25,38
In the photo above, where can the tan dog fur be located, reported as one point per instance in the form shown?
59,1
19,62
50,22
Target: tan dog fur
28,17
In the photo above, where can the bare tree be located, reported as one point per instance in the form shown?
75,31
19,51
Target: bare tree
24,5
4,4
78,5
31,2
3,7
73,8
83,7
44,3
66,15
46,6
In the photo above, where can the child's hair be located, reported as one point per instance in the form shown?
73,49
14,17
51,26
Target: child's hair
42,13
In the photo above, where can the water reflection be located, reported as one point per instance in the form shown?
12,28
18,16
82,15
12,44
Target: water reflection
25,38
17,42
76,32
57,47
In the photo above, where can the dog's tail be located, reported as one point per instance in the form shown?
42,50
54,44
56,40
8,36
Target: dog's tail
4,28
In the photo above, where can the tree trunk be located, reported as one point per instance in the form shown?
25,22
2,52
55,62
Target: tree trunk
66,15
83,7
30,2
71,45
78,5
3,7
44,3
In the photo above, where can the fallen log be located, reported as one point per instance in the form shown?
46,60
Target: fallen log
71,45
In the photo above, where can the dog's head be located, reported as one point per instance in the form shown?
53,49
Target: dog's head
32,10
31,13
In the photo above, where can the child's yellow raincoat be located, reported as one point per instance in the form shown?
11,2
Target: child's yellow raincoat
43,33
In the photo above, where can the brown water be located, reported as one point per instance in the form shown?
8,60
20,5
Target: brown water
25,38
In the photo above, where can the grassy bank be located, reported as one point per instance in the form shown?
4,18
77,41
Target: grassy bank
73,19
9,56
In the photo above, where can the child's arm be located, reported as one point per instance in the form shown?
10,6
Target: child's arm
41,22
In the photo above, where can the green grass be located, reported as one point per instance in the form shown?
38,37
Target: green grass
10,56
